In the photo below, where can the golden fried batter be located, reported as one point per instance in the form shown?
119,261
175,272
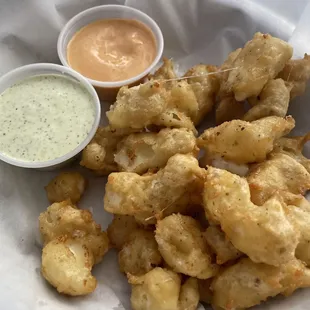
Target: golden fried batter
260,60
181,244
139,254
273,100
220,245
229,109
64,219
224,72
183,98
298,213
296,74
99,153
293,146
279,173
189,295
151,104
243,142
120,229
262,232
67,264
154,195
205,88
135,107
143,151
247,284
67,185
165,72
159,289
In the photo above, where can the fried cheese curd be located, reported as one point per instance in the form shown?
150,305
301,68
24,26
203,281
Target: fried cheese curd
67,185
298,212
247,283
99,153
264,232
296,74
151,104
155,195
73,243
279,172
181,244
143,151
260,60
232,233
293,147
245,142
161,289
165,72
120,229
205,87
228,109
139,254
272,101
220,245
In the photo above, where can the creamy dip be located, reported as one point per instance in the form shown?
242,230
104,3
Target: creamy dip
112,49
44,117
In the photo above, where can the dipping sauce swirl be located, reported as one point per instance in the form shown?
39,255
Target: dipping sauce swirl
44,117
112,50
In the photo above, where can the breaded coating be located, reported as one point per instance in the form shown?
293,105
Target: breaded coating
228,109
205,88
278,173
220,245
64,219
273,100
172,117
247,284
67,185
153,196
243,142
298,213
262,232
259,61
296,74
67,264
143,151
139,254
228,63
293,146
120,229
183,98
135,107
189,295
165,72
151,104
182,246
99,153
159,289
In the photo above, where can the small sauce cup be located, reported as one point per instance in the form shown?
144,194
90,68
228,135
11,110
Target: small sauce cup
107,91
21,73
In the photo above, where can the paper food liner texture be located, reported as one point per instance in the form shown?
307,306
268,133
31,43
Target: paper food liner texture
195,31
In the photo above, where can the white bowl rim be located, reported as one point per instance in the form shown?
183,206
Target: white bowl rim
84,82
74,19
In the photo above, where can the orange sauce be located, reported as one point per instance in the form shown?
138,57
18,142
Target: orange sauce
111,50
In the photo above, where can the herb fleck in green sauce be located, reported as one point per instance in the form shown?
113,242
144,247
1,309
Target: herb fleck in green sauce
44,117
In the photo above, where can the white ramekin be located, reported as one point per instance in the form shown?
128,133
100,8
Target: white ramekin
107,90
21,73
